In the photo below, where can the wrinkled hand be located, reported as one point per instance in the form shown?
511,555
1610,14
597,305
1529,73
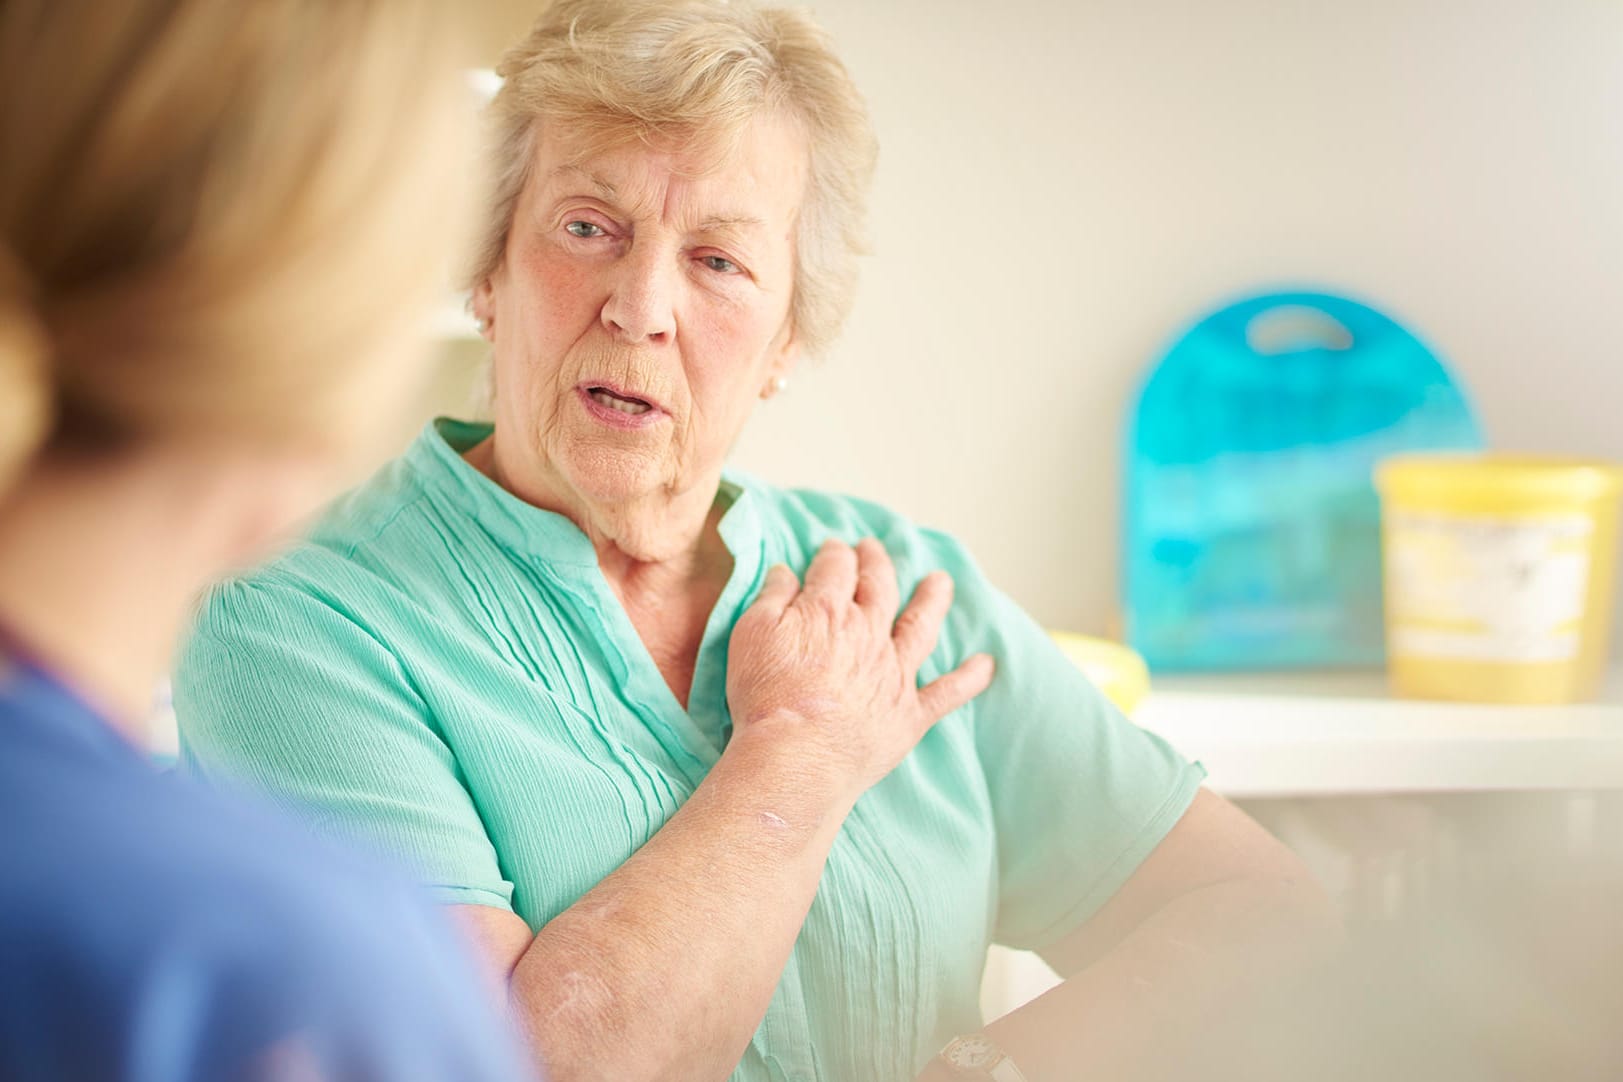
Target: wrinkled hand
833,669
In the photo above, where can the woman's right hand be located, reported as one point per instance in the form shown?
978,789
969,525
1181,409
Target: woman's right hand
831,669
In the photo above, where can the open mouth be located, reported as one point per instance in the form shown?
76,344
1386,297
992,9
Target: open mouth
605,397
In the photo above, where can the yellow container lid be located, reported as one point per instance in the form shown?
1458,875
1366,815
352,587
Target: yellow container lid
1496,479
1116,670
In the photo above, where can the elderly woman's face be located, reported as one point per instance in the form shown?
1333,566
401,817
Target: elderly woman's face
641,307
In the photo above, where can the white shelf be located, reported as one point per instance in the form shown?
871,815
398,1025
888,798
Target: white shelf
1323,734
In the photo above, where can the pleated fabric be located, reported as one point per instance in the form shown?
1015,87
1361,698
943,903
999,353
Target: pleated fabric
442,671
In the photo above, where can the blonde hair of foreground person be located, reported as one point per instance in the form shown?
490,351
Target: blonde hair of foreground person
219,219
723,65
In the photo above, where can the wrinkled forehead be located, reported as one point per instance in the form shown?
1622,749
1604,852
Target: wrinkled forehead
755,170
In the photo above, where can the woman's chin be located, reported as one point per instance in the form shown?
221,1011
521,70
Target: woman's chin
608,478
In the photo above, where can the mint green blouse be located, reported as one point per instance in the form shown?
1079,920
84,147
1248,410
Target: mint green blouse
443,669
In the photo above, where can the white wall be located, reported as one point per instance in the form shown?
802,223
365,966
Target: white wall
1063,185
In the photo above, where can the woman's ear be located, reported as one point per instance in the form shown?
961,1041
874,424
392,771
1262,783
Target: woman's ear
788,354
785,359
482,303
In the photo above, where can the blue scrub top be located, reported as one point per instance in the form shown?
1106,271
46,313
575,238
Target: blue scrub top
154,930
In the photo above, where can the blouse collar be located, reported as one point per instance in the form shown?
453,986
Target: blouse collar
436,458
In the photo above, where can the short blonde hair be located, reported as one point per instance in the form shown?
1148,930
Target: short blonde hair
661,70
208,209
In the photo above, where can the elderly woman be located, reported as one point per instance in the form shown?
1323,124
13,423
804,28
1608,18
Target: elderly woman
694,812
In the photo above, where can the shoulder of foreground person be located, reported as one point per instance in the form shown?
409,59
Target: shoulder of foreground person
160,931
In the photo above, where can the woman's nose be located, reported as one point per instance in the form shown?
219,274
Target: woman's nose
642,295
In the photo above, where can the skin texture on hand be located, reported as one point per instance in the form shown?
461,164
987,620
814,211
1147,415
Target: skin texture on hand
832,670
665,969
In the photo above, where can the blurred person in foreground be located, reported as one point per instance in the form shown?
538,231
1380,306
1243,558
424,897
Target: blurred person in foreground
219,223
654,727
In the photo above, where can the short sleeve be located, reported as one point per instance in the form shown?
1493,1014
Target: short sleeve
283,691
1080,795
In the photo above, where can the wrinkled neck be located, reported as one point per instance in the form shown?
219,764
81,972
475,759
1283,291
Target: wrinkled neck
665,535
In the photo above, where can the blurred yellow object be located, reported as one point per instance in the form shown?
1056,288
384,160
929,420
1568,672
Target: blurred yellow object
1499,575
1115,669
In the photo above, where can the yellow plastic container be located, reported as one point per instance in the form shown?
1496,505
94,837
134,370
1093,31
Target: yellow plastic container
1116,670
1499,575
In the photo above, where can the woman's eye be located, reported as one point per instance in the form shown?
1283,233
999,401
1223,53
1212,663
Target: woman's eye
584,230
720,265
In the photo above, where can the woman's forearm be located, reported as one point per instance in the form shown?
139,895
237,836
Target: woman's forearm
665,969
1207,961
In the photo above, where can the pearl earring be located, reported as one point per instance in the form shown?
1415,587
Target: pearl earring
778,385
484,326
